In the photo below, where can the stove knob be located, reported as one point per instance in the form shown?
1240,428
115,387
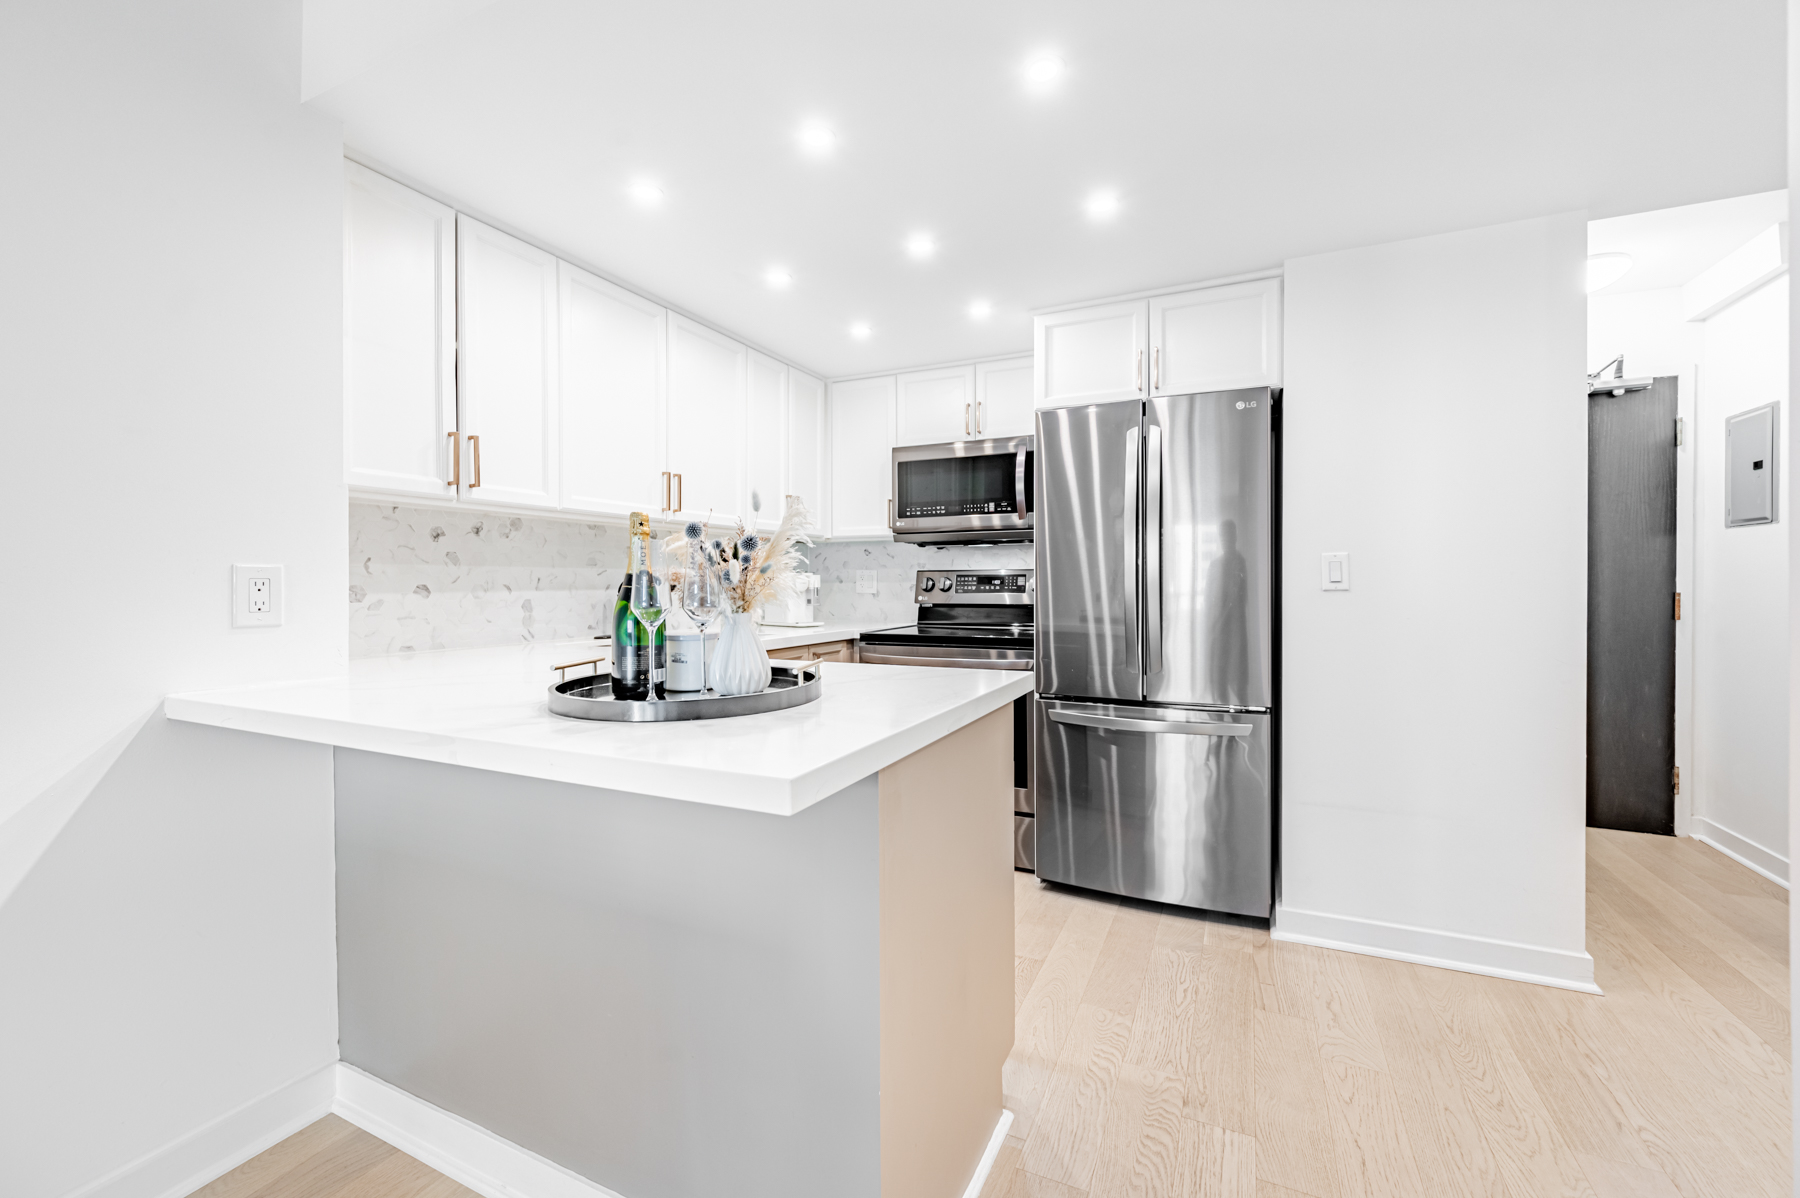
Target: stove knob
930,584
949,583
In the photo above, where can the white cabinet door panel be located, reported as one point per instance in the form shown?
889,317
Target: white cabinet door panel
806,447
507,367
612,393
399,336
1003,405
1091,355
862,446
936,405
706,424
1216,338
767,465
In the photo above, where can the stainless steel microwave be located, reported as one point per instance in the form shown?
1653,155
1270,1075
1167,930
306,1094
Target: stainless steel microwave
963,492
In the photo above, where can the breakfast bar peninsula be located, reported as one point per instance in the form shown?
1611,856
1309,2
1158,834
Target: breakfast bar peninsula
767,955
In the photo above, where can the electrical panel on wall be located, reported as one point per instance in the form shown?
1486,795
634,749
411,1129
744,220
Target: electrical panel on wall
1751,496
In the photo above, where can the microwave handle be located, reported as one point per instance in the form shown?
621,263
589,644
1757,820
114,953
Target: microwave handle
1019,496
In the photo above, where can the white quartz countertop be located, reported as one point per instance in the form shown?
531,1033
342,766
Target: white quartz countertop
487,709
776,637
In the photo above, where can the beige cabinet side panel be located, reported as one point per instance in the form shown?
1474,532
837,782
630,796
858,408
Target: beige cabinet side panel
946,955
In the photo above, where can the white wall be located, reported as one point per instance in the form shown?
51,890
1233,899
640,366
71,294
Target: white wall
1648,328
1741,592
1434,716
169,325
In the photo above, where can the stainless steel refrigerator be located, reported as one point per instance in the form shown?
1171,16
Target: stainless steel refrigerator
1155,715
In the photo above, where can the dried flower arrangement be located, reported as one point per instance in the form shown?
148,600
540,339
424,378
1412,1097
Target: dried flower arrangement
755,570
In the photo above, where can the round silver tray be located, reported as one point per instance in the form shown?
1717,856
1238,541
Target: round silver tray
591,698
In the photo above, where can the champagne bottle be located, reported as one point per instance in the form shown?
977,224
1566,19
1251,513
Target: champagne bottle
636,652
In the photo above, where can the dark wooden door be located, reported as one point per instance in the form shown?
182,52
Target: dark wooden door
1631,610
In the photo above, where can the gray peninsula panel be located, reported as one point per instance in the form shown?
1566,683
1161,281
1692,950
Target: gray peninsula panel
673,999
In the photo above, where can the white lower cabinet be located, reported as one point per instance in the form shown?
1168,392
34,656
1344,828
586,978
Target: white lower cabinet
613,389
807,463
1003,406
935,405
706,425
862,445
768,440
399,337
506,368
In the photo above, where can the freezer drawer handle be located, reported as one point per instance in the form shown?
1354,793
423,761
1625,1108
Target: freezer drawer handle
1126,724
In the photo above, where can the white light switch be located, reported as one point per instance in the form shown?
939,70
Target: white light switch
1334,571
865,582
255,596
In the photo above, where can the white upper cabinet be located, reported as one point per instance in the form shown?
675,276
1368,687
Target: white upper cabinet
1216,338
1091,355
399,336
768,441
706,425
862,445
1003,406
613,393
936,405
806,450
507,367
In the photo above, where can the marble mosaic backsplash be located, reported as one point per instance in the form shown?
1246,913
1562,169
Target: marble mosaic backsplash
443,578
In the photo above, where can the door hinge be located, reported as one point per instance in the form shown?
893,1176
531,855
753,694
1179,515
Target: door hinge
1680,430
1678,605
1677,779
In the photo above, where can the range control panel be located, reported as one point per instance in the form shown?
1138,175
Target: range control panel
975,586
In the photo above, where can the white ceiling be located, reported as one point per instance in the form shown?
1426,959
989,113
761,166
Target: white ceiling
1238,134
1670,246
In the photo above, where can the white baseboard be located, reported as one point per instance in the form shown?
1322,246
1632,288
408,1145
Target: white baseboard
455,1147
177,1170
1444,950
1001,1126
1744,851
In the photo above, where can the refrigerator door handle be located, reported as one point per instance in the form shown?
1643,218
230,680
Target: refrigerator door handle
1131,538
1094,719
1153,477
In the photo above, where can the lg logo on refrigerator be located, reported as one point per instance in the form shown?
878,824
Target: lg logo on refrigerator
1242,405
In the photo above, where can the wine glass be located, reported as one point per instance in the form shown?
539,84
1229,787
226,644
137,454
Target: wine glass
650,594
702,595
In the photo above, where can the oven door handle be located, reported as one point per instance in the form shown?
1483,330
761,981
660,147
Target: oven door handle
1090,719
867,657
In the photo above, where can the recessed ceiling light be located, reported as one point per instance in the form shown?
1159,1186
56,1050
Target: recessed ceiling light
861,330
1603,270
920,245
645,192
1102,205
816,138
778,277
1043,71
980,310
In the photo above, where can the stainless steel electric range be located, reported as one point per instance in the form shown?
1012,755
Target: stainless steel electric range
975,620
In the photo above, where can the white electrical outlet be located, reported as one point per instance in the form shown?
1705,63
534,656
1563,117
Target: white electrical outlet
256,594
865,582
1334,571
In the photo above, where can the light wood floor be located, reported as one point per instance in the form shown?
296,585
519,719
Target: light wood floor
1167,1055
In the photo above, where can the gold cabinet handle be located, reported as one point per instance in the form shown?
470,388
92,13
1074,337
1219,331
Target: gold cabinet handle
977,418
475,452
1156,368
678,492
966,420
665,477
1139,384
455,462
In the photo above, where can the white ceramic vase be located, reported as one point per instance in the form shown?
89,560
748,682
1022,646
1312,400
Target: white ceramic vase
740,665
